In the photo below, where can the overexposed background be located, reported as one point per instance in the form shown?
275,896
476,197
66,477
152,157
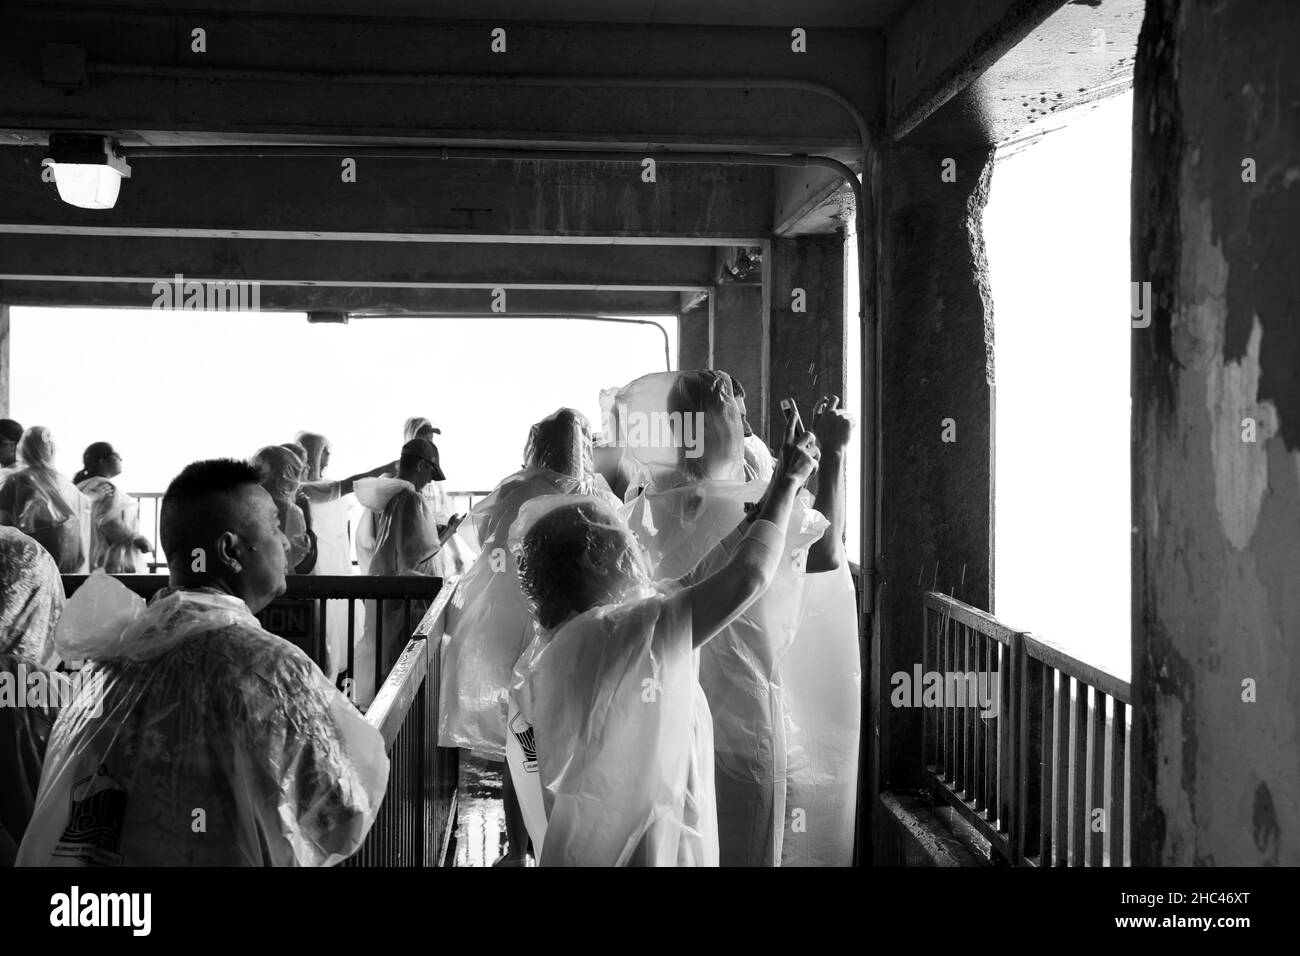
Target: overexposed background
167,388
1057,233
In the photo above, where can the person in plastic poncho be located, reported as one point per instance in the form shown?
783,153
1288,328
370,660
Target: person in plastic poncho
116,544
397,534
457,554
282,470
488,621
622,728
758,459
328,511
40,502
684,431
31,600
199,739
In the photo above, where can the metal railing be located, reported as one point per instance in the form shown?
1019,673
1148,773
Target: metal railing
301,614
151,509
1037,761
416,820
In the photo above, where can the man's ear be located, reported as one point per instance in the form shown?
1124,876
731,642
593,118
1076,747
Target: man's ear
229,550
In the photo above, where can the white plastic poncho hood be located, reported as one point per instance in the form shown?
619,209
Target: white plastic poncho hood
197,738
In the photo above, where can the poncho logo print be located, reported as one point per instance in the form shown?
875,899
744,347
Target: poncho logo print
95,823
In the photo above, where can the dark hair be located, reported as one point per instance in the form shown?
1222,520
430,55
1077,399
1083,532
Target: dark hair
192,506
90,458
571,560
10,430
737,389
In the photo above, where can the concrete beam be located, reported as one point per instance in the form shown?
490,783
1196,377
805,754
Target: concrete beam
400,197
378,300
1077,56
810,202
937,48
310,78
304,262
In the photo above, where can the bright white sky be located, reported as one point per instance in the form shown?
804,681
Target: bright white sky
167,388
1057,234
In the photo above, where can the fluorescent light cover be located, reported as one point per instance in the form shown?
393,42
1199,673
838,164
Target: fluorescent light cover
88,185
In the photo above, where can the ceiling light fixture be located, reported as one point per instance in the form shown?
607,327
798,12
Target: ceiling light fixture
88,169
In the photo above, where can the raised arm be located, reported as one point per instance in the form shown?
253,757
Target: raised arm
832,425
719,598
316,490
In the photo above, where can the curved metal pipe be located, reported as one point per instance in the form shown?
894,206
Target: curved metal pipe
581,317
469,79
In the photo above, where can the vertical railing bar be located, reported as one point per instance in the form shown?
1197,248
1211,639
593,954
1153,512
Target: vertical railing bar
352,645
977,724
1061,806
1009,738
945,728
958,713
1079,774
1097,778
1117,821
379,644
972,717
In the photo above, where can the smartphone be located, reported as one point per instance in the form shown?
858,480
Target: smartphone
792,411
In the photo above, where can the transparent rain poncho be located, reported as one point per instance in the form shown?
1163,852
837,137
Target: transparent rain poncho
396,535
608,696
822,678
282,473
199,739
114,526
47,506
488,622
694,497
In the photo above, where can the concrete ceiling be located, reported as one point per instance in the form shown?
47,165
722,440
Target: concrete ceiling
871,14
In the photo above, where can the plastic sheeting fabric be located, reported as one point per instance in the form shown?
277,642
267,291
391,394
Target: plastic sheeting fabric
282,472
329,521
194,712
679,427
521,745
740,666
31,598
488,621
624,739
759,463
25,726
114,525
49,508
396,532
822,678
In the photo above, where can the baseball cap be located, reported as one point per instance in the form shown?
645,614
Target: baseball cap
426,450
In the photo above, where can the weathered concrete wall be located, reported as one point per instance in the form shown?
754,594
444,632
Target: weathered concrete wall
808,357
936,496
693,338
1217,537
738,341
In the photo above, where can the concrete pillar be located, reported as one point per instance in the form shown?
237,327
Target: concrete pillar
693,338
808,357
4,361
936,376
738,340
1216,436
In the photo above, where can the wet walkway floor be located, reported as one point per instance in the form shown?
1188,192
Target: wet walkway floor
481,826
